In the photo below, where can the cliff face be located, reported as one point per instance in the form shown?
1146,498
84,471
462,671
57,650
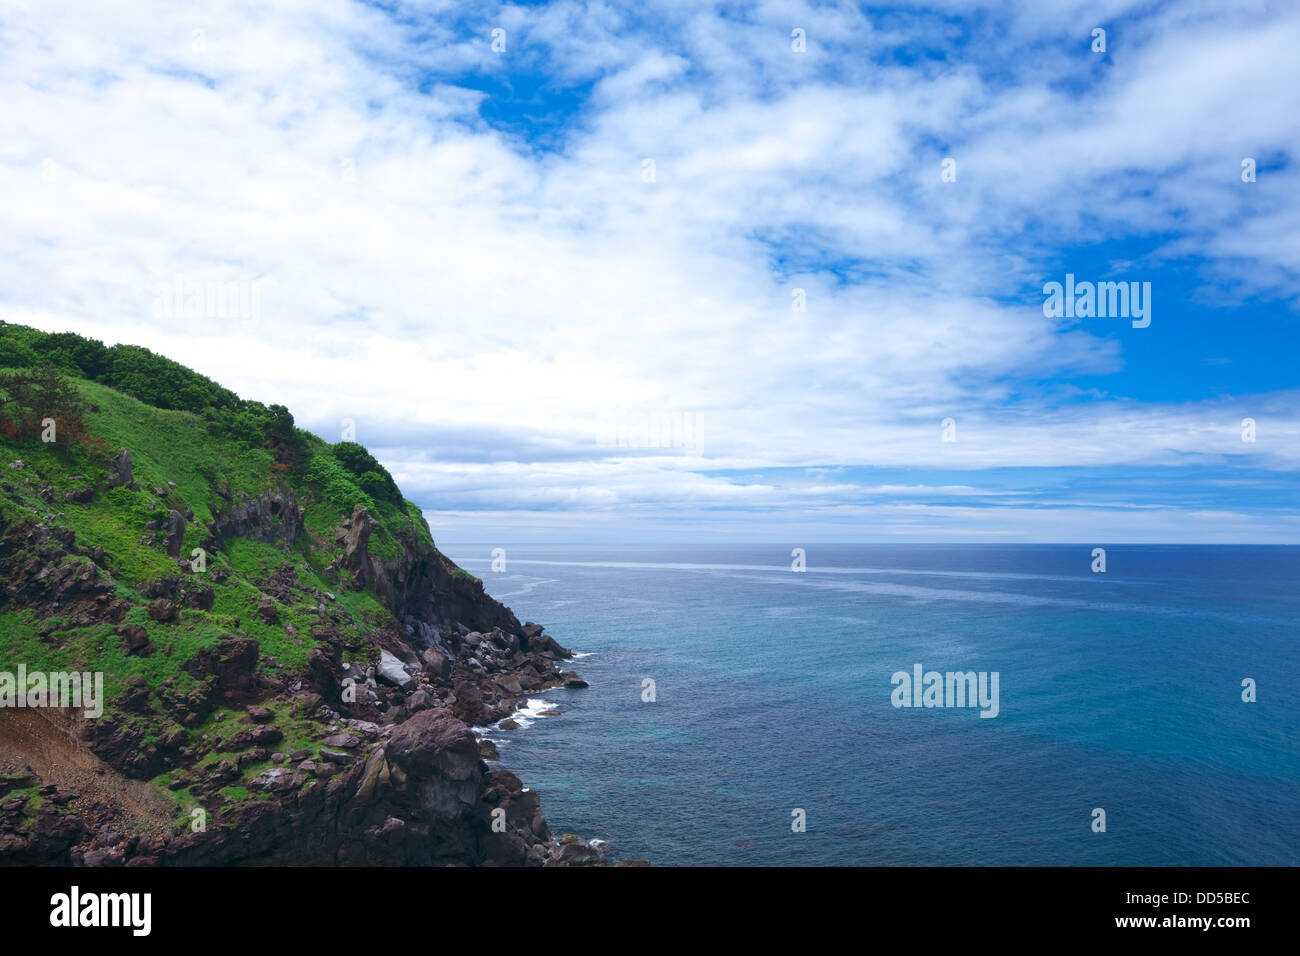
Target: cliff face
291,667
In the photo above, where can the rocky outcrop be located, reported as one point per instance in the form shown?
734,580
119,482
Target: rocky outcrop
395,774
354,537
422,589
175,534
413,794
33,835
120,472
41,567
274,517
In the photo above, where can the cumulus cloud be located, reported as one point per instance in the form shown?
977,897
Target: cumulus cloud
479,277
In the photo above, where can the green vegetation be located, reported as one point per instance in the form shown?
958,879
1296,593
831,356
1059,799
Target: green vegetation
201,451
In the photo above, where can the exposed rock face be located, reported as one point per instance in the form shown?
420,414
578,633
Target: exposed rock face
175,535
187,590
273,517
355,538
415,794
421,591
119,475
41,567
395,775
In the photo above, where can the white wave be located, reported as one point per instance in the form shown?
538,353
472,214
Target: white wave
533,710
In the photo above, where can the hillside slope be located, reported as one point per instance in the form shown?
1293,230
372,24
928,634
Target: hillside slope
291,668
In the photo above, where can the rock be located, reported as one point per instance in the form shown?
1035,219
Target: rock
355,538
258,715
273,517
247,759
266,610
120,475
573,681
267,735
469,703
241,741
576,854
162,609
135,639
307,705
509,724
278,780
391,671
222,772
433,742
175,535
437,664
346,741
509,685
506,642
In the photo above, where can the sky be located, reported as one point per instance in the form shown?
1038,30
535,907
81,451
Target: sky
690,272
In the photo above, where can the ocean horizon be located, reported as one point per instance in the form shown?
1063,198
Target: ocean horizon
733,699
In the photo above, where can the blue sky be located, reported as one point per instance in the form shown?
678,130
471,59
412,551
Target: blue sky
462,252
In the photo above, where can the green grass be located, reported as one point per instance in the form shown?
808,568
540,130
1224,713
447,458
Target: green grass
195,457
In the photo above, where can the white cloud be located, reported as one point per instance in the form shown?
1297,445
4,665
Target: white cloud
421,270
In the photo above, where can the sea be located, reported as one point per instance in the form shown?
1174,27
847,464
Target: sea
742,711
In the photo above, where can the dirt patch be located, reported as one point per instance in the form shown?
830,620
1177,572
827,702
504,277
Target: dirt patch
46,742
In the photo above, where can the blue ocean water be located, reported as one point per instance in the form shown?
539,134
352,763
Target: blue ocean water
1120,691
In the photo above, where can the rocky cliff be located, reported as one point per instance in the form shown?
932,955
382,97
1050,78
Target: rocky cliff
291,667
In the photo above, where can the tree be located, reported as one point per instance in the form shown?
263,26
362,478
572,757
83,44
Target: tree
29,399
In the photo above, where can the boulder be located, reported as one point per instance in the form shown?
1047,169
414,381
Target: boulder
392,671
162,609
175,534
135,639
434,743
119,475
266,610
437,663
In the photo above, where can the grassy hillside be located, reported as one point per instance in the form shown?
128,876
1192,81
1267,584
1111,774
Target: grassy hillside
59,512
